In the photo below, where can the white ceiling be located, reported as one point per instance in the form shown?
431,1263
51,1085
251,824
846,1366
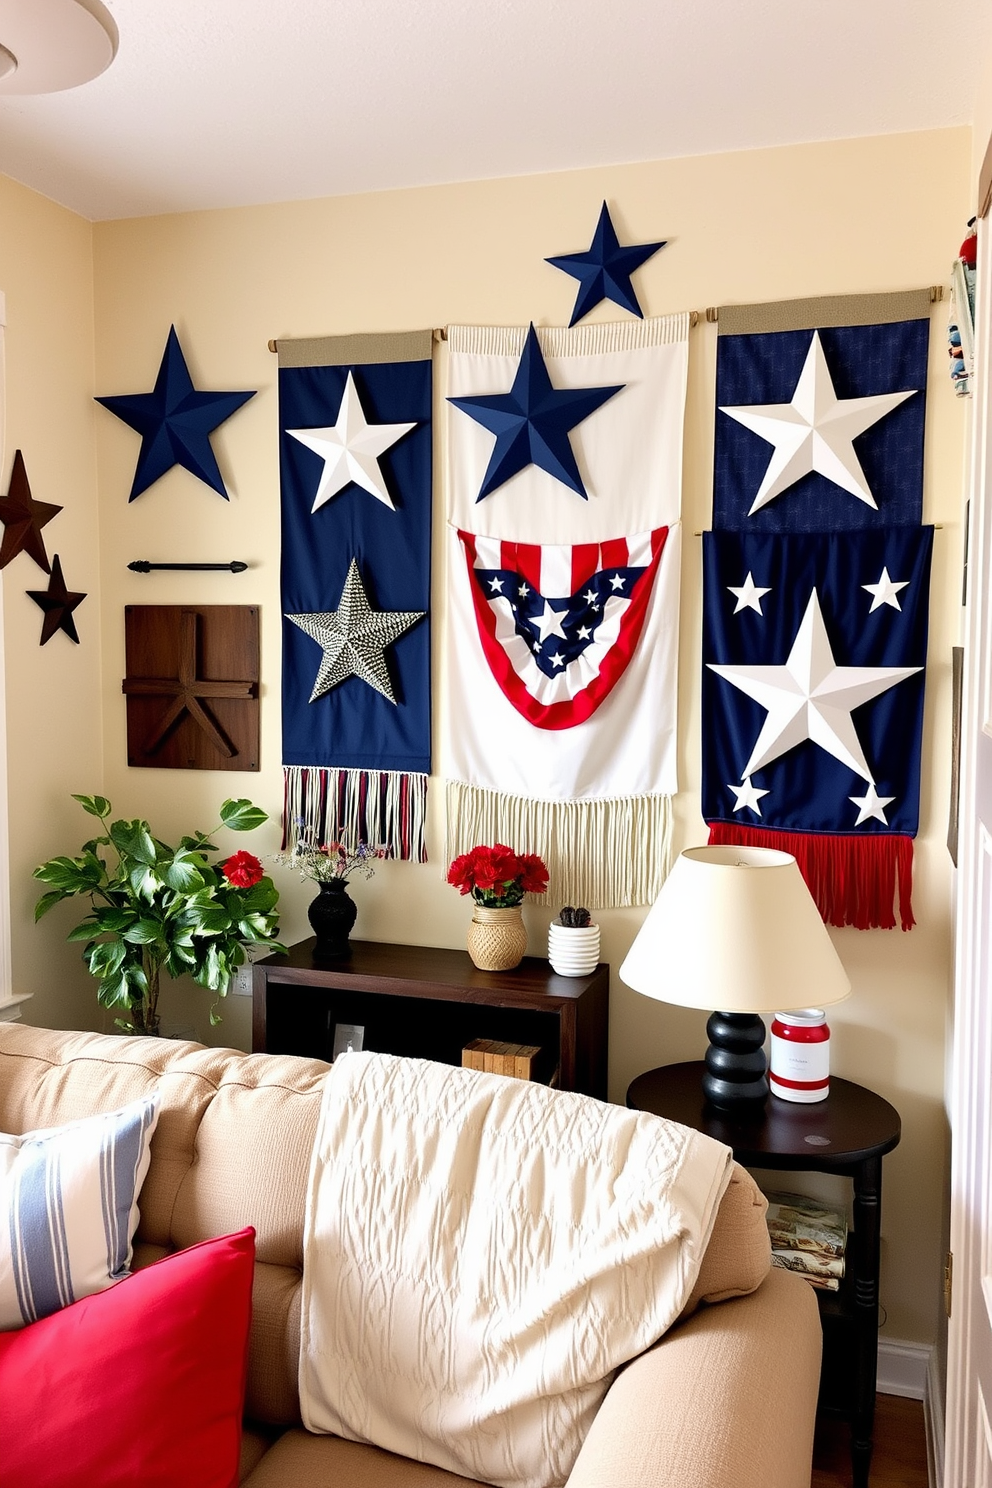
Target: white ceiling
214,103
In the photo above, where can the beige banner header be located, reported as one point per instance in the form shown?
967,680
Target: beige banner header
346,351
829,310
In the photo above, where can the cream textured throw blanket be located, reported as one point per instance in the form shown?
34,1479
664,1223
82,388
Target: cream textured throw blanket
481,1254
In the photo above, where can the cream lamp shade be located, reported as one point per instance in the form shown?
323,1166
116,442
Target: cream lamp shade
735,929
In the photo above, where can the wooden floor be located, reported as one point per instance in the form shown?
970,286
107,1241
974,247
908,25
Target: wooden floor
900,1456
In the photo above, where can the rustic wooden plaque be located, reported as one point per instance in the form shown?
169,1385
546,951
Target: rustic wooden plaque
192,686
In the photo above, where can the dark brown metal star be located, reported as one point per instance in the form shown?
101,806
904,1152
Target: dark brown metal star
23,519
58,604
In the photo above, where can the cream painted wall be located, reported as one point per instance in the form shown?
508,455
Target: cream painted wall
54,723
860,215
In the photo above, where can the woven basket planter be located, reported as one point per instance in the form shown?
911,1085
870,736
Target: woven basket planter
496,938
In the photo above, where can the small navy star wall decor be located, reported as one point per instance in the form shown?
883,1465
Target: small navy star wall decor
532,422
175,422
604,270
23,519
58,603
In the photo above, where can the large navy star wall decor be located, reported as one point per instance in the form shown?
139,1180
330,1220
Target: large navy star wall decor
175,422
532,422
604,270
23,518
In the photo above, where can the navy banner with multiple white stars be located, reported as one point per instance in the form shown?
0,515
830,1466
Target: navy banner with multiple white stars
816,601
355,458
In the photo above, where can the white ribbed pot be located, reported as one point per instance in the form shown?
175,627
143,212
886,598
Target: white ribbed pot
573,950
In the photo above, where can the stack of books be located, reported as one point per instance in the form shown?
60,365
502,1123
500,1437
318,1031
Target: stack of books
498,1058
808,1237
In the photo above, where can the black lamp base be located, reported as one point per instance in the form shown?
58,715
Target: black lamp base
735,1075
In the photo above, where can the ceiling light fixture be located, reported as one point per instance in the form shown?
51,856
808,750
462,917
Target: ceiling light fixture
47,46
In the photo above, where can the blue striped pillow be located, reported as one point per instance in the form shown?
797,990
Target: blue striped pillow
69,1209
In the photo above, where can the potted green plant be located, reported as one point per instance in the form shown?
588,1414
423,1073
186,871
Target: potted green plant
158,908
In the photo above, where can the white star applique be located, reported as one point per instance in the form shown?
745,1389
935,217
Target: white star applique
871,805
885,592
811,697
816,431
617,581
354,638
747,796
496,585
350,449
550,622
748,596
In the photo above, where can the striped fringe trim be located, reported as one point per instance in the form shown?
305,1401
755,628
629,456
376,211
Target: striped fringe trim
559,341
602,854
385,808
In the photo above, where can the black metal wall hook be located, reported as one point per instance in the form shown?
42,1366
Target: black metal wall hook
141,565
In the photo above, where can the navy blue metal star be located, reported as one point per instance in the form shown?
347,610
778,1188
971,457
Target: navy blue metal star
532,422
604,272
175,422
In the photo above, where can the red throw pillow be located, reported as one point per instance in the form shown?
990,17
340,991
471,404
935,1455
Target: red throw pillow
142,1384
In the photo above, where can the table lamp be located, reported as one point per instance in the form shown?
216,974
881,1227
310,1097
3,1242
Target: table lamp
735,928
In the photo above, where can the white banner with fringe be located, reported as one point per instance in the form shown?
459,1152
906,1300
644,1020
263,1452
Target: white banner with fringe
558,734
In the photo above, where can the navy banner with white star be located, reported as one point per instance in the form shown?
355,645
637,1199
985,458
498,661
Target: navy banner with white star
816,596
355,458
820,427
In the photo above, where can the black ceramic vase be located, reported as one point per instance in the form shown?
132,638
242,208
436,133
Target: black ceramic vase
332,915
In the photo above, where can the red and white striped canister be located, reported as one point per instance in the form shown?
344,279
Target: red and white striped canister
800,1062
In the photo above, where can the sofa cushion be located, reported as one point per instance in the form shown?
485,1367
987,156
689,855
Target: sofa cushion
232,1147
738,1257
143,1383
69,1208
307,1461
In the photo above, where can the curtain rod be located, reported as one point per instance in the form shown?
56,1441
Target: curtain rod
711,313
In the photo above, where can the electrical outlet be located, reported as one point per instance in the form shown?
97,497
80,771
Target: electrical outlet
241,981
241,986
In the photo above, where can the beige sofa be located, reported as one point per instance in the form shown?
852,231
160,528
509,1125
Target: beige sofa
726,1400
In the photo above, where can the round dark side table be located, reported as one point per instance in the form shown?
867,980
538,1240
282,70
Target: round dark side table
848,1133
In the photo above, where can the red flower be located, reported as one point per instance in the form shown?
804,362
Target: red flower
460,874
496,873
242,870
534,875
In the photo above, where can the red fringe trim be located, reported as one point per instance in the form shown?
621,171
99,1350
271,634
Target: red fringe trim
852,879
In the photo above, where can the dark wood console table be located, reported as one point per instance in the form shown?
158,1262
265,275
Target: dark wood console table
848,1133
429,1003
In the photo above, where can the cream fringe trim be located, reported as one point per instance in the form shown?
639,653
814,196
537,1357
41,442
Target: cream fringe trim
601,854
558,341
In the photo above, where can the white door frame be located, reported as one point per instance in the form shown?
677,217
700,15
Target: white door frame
968,1440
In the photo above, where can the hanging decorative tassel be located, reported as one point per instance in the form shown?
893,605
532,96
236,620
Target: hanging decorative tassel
854,880
382,808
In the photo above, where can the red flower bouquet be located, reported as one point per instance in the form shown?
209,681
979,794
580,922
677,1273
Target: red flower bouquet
497,876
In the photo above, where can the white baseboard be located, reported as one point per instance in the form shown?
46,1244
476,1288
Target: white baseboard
902,1368
933,1420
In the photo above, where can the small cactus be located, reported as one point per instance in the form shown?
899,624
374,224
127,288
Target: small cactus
575,919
